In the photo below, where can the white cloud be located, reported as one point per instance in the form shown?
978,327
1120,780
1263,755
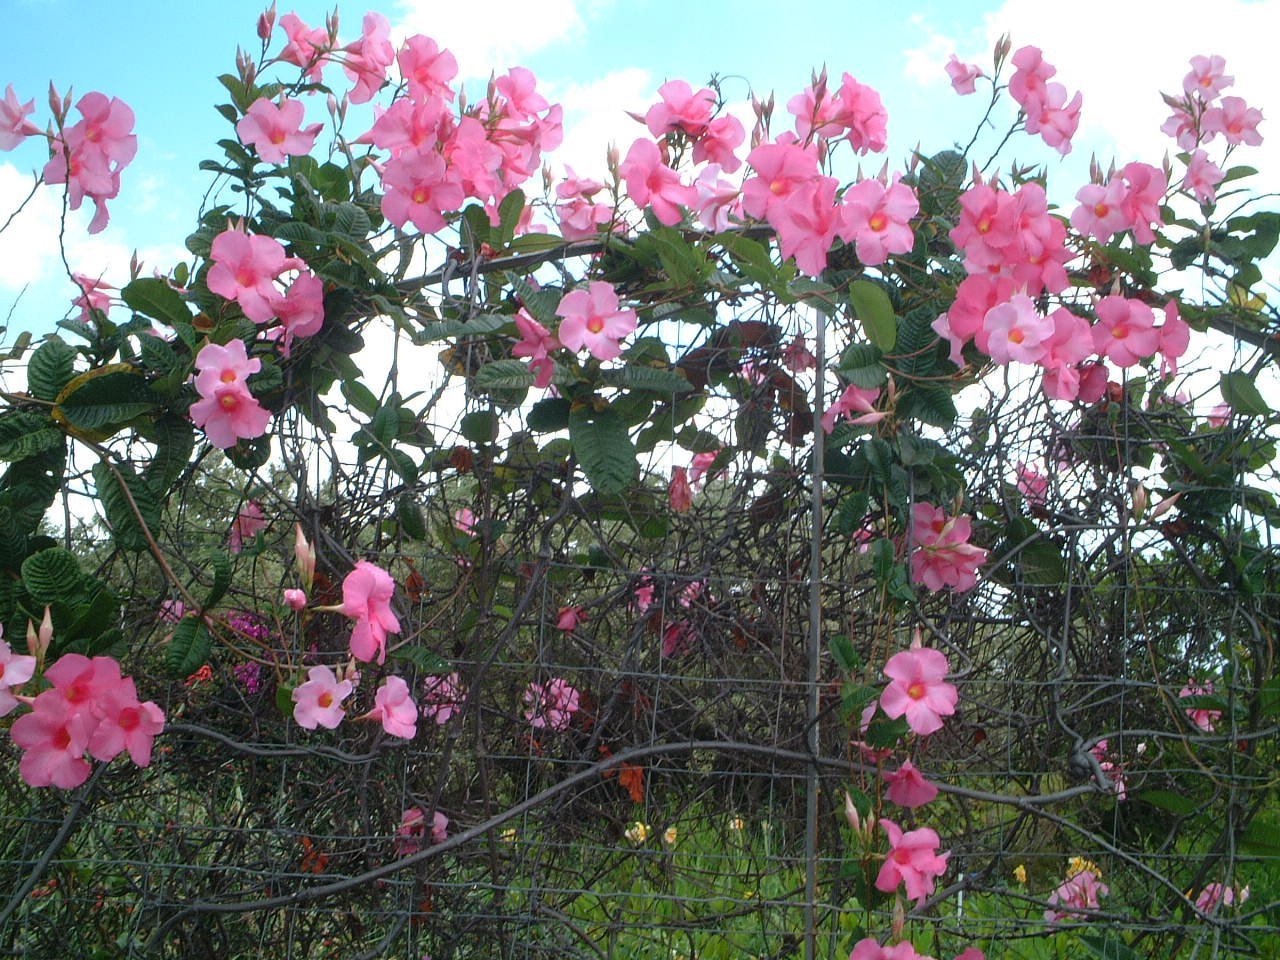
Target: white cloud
1120,55
494,36
29,245
595,115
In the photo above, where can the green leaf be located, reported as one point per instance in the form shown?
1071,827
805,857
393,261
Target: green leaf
154,298
50,368
860,365
548,415
52,575
1109,947
504,375
1177,803
121,517
604,450
1261,837
189,648
872,307
484,323
351,221
1269,698
654,379
1240,392
1041,563
509,211
842,650
360,397
933,406
297,232
24,435
427,661
174,440
540,303
409,516
221,564
103,400
480,426
854,697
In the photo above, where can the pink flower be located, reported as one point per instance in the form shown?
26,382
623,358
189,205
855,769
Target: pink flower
427,68
797,357
367,59
306,47
318,702
1032,484
581,219
395,708
718,143
92,296
569,618
231,413
275,131
248,522
15,670
868,948
856,404
1215,893
1029,82
908,787
296,600
1175,337
1145,187
366,596
442,697
680,109
82,681
1015,331
301,309
54,737
464,521
1235,120
1101,212
781,168
918,690
962,75
91,153
1125,332
592,318
413,828
420,189
1203,177
943,557
217,364
124,724
1220,415
1054,119
244,270
537,343
14,125
807,222
719,198
878,220
642,595
1076,893
1207,78
913,861
551,705
679,493
701,463
1202,717
1071,343
653,184
171,611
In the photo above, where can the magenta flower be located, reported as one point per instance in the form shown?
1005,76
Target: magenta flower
1203,717
653,184
395,708
366,597
963,75
918,690
14,125
1076,893
568,618
442,697
868,948
908,787
275,131
551,705
54,737
1215,893
15,670
593,319
878,219
536,343
318,702
857,405
913,861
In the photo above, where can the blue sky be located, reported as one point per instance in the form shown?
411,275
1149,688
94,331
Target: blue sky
600,58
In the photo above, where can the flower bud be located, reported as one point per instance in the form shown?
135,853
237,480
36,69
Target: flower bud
305,554
899,916
1140,501
296,599
1165,505
267,22
851,813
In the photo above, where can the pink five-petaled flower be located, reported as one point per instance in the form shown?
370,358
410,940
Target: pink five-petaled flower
569,617
1032,484
653,184
913,861
551,705
419,188
536,343
275,131
592,318
918,690
427,68
1215,893
1125,332
366,596
908,787
1235,120
943,557
962,75
1076,893
226,410
868,948
306,47
442,697
91,153
318,702
244,270
14,125
680,494
82,681
1203,717
1144,192
1202,177
1207,78
1101,211
395,708
54,736
857,405
15,670
680,109
413,830
301,310
1015,330
878,220
124,724
92,296
247,524
366,60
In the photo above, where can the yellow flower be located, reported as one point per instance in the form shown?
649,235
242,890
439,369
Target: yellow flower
737,823
638,832
1079,865
669,836
508,835
1020,874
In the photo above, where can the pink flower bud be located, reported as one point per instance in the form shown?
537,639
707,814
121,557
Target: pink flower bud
1139,501
296,599
851,813
899,916
305,553
1165,505
267,22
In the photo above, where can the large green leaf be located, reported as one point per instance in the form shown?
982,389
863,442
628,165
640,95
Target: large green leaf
154,298
654,379
50,368
504,375
101,401
189,648
1109,947
871,305
221,566
604,450
1239,390
860,365
24,435
124,504
52,575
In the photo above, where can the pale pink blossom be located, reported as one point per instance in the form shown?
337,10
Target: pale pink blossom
1015,330
244,270
1053,118
247,524
913,861
943,556
594,320
367,59
908,787
1125,332
53,737
14,125
653,184
681,108
856,404
318,701
1235,120
123,723
1076,893
442,697
366,597
464,521
877,220
394,706
1215,893
300,310
427,68
1175,338
1203,717
91,153
537,343
780,169
93,296
1202,177
420,189
1220,415
15,670
1207,78
295,600
1029,82
413,830
226,410
306,48
807,222
275,131
719,199
679,493
918,689
551,705
963,75
1145,187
